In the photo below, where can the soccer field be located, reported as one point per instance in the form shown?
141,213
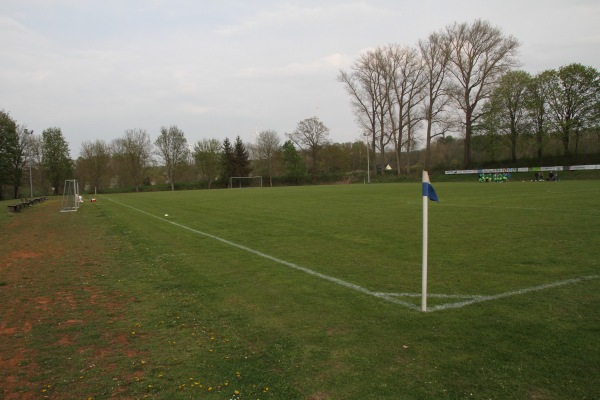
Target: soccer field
320,286
509,236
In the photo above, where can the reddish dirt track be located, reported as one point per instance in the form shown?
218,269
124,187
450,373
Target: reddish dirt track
49,263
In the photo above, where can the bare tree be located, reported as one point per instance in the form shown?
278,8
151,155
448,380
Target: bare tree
407,74
480,54
370,100
267,150
94,162
171,146
310,135
435,55
134,151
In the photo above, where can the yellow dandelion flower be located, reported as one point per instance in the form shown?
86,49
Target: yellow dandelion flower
236,392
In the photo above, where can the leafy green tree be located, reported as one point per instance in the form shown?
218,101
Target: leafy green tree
56,160
207,156
227,161
538,108
171,146
487,133
296,168
10,152
574,94
509,102
241,158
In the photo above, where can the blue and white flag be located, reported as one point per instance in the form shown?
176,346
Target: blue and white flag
428,190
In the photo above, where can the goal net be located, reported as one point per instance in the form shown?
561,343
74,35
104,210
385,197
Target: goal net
70,198
245,182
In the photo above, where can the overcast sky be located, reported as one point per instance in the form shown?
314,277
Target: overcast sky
224,68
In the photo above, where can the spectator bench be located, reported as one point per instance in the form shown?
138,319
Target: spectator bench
25,203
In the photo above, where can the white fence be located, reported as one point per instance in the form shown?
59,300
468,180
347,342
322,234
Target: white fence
523,169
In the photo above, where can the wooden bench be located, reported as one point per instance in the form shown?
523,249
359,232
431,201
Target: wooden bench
15,207
25,203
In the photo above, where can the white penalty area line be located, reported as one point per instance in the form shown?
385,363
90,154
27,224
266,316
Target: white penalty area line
390,297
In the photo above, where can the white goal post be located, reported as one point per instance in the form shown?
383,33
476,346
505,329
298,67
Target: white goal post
70,198
245,181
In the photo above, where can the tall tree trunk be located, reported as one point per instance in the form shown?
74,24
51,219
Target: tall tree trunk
513,144
468,131
565,142
373,148
540,139
428,139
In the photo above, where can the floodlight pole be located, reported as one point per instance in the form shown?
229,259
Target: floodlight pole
368,159
30,181
28,132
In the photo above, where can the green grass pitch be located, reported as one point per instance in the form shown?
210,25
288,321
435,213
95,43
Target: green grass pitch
312,292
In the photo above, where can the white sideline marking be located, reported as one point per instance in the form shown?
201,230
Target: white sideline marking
283,262
479,299
391,297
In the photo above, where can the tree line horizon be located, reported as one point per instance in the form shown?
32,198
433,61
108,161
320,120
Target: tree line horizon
454,100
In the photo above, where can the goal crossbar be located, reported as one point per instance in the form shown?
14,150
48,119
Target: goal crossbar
240,179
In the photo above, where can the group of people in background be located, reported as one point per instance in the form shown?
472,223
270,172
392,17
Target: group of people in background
501,177
497,177
539,177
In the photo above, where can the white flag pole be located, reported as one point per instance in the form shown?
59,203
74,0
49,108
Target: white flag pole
425,239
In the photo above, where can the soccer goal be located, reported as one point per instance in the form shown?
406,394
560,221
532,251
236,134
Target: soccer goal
245,182
70,198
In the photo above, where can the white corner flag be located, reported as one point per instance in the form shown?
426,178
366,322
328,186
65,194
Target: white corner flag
428,193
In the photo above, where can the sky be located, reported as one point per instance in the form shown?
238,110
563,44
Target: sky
229,68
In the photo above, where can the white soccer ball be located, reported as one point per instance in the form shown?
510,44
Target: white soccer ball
166,215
